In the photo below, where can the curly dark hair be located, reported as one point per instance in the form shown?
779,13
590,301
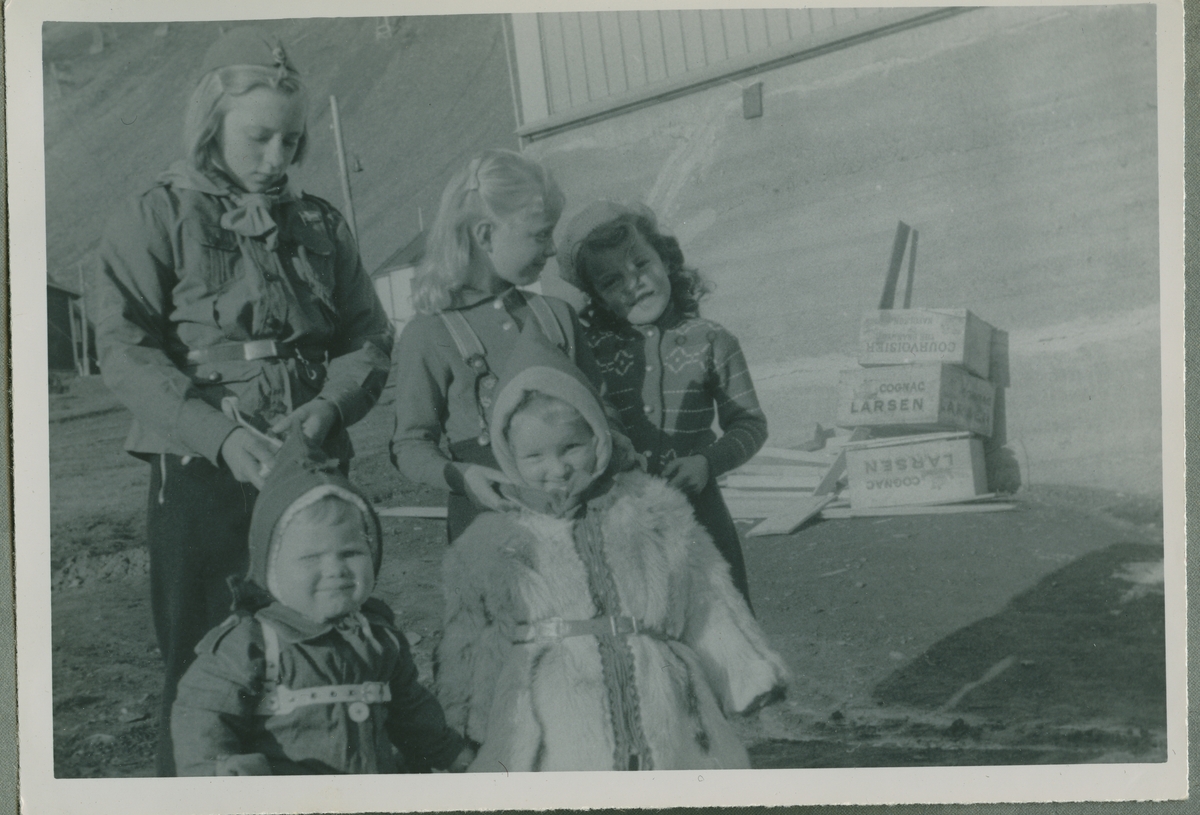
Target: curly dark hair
688,287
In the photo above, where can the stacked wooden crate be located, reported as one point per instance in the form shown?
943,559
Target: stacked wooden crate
924,393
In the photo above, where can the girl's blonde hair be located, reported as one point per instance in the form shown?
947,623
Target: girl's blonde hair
210,101
496,184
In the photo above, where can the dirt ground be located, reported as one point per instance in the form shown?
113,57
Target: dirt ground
1030,636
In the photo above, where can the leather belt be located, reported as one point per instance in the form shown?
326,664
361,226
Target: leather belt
557,628
255,349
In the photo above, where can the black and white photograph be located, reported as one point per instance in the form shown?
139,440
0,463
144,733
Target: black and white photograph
500,398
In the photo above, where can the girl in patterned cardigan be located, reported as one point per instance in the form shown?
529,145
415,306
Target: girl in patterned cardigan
665,368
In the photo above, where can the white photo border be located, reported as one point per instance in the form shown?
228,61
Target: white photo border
42,793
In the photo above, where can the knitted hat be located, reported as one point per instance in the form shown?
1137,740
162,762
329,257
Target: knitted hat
586,221
302,475
247,46
537,365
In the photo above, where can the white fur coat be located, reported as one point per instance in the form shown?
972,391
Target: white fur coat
554,705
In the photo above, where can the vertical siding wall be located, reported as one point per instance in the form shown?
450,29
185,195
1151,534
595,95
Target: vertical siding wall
593,56
1021,142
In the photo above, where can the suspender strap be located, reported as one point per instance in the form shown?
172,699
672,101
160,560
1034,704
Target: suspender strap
475,355
465,338
548,322
270,657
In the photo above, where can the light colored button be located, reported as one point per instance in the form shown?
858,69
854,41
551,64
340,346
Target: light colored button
647,408
506,325
649,332
359,711
214,377
498,303
649,368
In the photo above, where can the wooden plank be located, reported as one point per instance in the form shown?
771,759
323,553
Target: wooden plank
800,481
785,523
759,509
799,456
781,469
411,512
783,496
893,273
840,513
829,482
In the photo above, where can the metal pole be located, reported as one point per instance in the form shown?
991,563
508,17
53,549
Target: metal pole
83,324
74,334
341,156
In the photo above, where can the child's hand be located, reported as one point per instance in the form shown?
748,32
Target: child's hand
483,485
689,473
462,761
315,419
243,764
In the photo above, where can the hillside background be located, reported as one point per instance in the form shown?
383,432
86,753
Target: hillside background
413,106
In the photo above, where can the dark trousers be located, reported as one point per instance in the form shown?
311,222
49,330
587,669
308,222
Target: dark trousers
197,526
714,516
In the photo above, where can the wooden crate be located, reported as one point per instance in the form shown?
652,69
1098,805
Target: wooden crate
914,470
916,398
913,335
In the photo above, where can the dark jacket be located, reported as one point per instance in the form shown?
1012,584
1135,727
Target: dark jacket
172,279
214,713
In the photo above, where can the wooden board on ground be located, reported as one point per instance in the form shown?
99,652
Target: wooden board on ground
796,481
411,512
787,522
799,456
841,513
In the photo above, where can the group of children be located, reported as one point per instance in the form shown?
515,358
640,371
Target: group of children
597,609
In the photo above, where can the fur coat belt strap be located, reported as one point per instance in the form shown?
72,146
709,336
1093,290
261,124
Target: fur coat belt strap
556,628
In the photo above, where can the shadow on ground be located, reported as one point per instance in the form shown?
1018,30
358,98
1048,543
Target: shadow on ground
1072,670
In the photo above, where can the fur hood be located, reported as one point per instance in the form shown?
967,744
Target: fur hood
536,365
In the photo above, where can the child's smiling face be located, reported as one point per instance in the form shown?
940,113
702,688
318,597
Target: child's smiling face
520,245
323,570
555,450
631,279
260,135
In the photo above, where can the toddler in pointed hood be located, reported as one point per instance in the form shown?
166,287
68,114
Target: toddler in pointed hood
548,429
310,675
307,488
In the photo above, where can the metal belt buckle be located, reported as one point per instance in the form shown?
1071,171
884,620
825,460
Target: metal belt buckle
260,349
554,628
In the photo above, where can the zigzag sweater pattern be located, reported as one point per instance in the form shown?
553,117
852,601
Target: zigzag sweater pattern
666,379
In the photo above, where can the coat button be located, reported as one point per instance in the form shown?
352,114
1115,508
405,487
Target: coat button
506,325
359,711
649,368
498,303
647,408
214,377
649,332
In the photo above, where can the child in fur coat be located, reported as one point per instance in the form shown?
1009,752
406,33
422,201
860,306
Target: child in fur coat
595,628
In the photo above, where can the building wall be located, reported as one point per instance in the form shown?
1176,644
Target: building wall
1020,142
